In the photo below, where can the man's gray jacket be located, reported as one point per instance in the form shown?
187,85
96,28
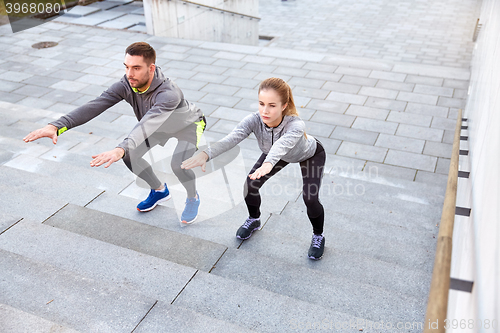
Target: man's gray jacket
161,109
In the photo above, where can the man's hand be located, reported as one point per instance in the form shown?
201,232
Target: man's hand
262,171
109,157
49,131
197,160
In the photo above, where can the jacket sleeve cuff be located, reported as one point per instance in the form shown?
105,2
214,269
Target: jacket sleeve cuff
61,128
122,146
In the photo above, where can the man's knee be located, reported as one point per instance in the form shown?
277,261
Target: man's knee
176,167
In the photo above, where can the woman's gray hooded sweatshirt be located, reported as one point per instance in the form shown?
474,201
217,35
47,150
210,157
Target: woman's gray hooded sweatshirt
285,142
161,102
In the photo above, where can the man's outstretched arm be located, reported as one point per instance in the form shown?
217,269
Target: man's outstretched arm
109,157
49,131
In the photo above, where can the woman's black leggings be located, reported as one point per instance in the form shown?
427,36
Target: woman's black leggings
312,173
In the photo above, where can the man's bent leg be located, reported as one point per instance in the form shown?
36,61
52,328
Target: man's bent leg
182,152
140,167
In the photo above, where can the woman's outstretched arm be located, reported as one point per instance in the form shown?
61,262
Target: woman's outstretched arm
199,159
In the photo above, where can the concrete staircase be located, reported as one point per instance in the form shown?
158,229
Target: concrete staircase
77,256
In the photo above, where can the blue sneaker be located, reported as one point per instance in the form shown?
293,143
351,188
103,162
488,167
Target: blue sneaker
190,212
154,198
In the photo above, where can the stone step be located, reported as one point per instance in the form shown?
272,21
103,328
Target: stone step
5,155
154,241
288,238
220,229
7,221
373,221
127,270
18,321
349,181
62,156
27,204
47,187
99,261
66,173
219,216
366,291
262,310
372,187
385,210
219,219
50,295
69,299
165,316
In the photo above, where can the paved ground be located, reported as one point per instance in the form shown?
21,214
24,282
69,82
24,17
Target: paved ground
427,32
71,262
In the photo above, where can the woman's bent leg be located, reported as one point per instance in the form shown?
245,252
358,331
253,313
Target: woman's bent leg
312,174
252,186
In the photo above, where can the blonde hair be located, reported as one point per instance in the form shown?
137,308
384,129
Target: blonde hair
284,91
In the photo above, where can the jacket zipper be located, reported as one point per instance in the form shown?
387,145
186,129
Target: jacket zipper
272,136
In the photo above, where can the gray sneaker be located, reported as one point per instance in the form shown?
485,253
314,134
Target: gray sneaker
250,225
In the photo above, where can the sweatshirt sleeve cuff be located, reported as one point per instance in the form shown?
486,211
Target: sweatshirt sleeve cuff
208,151
271,160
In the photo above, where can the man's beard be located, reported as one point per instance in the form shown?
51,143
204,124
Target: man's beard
137,83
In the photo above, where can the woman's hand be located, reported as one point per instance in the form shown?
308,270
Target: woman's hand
197,160
262,171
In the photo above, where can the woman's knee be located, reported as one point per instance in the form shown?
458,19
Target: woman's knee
311,199
252,186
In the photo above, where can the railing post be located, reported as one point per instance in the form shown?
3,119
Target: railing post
437,305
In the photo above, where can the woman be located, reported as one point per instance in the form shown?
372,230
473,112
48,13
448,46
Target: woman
282,139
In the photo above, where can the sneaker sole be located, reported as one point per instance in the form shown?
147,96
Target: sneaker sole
251,232
314,258
156,204
192,221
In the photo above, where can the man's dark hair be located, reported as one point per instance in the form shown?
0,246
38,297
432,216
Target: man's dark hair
142,49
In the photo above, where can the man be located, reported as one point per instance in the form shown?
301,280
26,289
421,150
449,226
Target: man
162,112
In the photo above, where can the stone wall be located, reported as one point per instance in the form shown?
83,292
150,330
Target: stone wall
483,113
235,22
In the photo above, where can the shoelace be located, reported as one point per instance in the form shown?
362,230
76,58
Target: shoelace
316,241
247,223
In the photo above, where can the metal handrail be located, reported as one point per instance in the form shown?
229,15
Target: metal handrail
437,305
220,9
